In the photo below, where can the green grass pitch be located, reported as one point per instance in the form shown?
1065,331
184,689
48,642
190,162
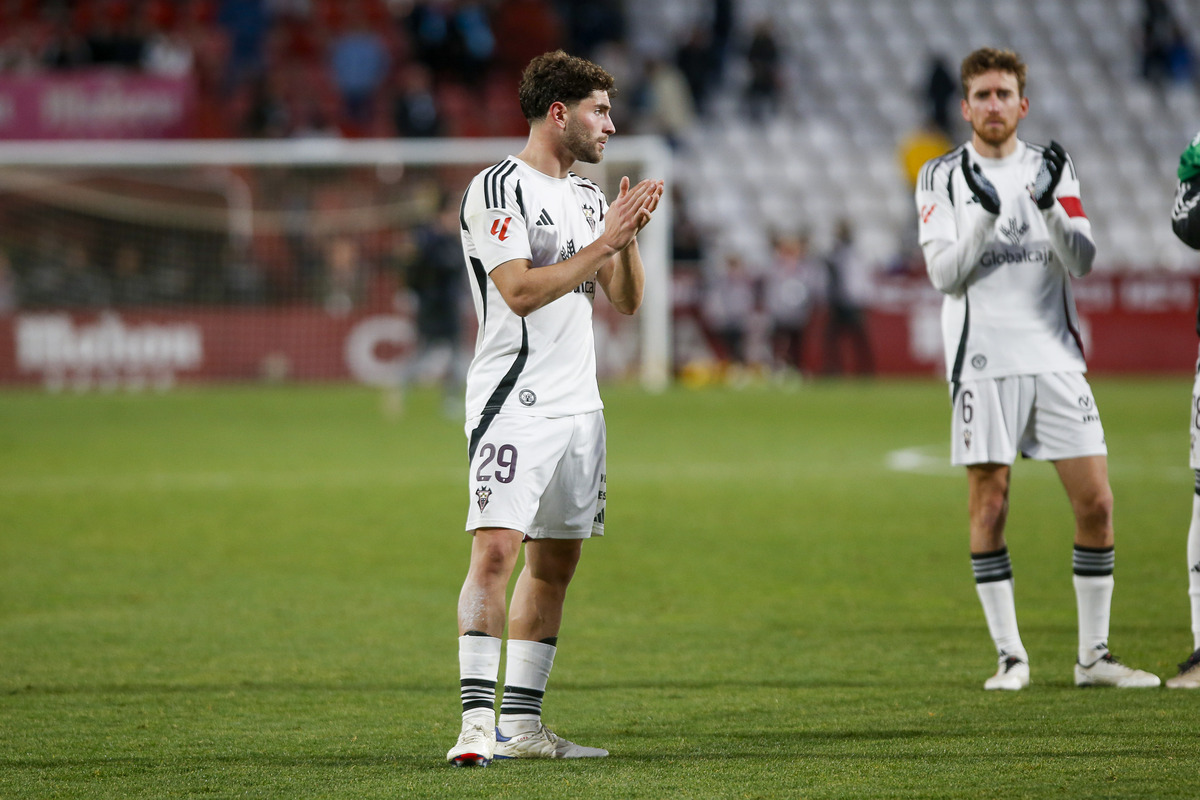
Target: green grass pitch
249,592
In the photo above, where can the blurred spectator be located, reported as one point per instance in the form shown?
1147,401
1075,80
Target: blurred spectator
131,286
697,60
941,90
729,301
10,295
922,144
114,38
168,53
82,284
359,61
64,48
414,110
848,289
791,288
763,56
722,35
245,281
247,23
664,101
345,275
454,39
173,274
434,275
590,23
1158,35
524,29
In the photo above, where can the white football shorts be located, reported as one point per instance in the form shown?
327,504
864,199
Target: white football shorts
1195,424
1049,417
542,476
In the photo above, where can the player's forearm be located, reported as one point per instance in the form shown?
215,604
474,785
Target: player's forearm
950,263
624,279
1185,216
1071,238
527,288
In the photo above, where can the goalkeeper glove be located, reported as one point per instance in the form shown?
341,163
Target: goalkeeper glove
1054,159
980,186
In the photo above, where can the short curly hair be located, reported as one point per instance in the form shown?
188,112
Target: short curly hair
560,78
986,59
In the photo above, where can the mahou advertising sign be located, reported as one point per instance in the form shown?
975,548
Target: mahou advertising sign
95,105
82,351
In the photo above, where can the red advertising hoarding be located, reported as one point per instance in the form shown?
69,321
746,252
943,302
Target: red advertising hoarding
99,104
1130,324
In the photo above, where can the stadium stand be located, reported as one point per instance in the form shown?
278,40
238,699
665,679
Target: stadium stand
853,72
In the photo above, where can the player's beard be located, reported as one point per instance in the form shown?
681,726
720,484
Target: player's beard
580,143
995,136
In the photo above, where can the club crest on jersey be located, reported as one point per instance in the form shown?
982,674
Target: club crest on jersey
1013,230
482,495
589,214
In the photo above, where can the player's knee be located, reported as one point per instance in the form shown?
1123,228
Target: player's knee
1094,510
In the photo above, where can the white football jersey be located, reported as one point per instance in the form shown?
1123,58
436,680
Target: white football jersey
1014,313
544,364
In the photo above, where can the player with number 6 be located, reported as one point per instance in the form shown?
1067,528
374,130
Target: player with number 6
1003,232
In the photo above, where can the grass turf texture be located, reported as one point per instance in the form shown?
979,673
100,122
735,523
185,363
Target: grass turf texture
250,592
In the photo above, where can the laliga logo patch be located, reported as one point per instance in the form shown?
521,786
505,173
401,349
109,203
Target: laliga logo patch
979,361
589,214
482,495
527,397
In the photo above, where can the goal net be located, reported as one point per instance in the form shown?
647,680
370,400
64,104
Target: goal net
130,264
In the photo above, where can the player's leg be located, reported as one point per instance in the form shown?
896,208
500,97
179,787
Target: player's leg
987,418
1085,480
1189,669
481,616
987,505
571,510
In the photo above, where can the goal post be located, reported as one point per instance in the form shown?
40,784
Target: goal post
245,217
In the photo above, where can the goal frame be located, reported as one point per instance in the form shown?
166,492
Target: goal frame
650,153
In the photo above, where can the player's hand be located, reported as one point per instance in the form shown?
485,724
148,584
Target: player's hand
980,186
1054,161
632,209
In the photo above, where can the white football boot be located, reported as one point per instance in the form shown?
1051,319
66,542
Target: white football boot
1107,671
1011,675
542,743
474,747
1189,674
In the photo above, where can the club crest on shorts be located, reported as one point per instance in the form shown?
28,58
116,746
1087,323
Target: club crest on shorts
967,439
527,397
979,361
482,495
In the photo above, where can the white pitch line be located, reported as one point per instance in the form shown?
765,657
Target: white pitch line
923,460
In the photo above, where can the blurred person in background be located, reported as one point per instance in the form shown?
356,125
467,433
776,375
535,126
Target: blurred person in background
433,275
847,291
537,240
1185,221
791,288
730,298
764,57
1003,231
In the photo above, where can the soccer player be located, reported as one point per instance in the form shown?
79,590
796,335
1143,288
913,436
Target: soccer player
538,240
1003,231
1185,221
